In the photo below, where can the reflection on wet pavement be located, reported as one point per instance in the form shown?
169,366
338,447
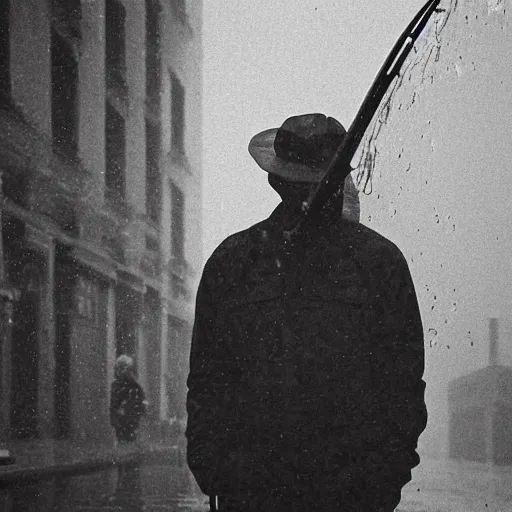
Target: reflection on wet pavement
437,486
128,488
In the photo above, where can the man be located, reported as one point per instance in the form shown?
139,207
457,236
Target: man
127,406
305,385
127,403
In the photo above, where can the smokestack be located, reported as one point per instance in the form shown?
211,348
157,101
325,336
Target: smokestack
493,341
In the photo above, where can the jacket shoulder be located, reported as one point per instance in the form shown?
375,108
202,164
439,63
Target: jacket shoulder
234,246
372,244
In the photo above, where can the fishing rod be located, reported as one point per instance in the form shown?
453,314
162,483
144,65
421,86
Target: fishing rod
339,168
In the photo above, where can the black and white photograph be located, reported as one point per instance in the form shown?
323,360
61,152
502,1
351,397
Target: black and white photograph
255,256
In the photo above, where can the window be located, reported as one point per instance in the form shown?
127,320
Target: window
128,317
152,243
177,117
66,18
15,187
64,95
153,110
153,186
152,49
87,298
115,51
115,158
5,65
179,10
177,224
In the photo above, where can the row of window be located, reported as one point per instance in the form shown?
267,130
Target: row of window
64,77
65,32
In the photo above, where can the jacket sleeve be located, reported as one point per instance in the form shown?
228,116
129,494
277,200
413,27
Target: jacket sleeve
399,361
206,386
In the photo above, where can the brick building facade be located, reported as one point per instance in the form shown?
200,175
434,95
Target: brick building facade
100,143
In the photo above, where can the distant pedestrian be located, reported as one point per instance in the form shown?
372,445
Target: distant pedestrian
127,403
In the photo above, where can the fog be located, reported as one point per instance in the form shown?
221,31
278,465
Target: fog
441,181
267,60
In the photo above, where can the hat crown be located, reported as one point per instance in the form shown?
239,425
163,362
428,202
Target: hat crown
309,139
300,149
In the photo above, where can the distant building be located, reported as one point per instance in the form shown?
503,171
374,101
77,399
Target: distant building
100,159
480,409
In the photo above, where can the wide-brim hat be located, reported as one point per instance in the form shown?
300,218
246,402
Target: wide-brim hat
300,149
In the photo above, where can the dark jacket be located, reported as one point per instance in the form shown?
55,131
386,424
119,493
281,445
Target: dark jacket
306,362
126,407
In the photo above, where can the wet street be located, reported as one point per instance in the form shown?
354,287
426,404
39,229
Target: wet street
437,486
133,487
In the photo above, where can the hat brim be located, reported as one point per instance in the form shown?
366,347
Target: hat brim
261,148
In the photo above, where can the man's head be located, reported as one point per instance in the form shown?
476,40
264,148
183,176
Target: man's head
300,150
124,367
297,155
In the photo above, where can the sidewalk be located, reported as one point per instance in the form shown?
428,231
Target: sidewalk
40,458
457,486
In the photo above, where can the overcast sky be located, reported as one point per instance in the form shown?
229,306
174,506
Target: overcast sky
444,192
267,60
